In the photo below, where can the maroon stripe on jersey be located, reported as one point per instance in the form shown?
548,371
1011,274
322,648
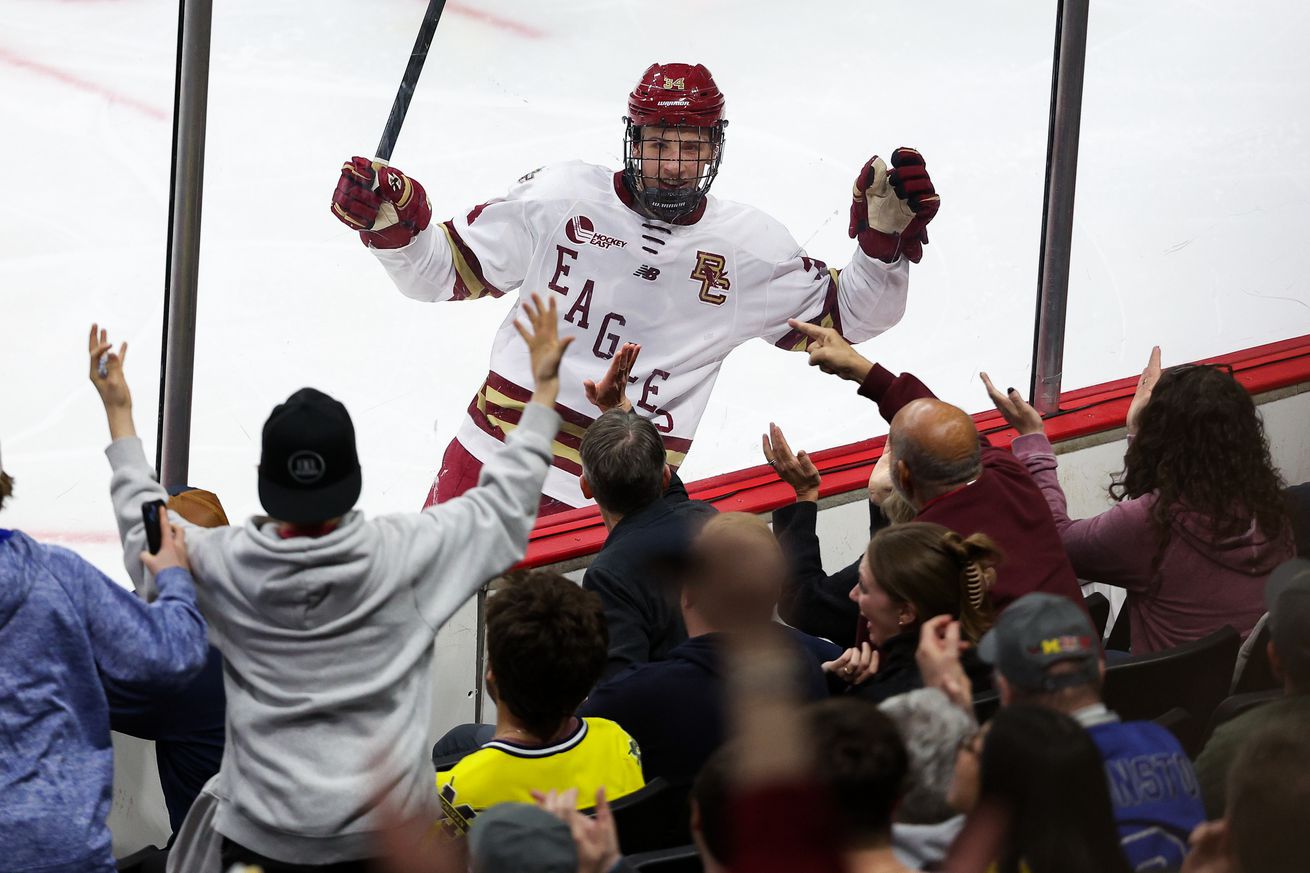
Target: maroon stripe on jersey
461,290
514,391
508,388
470,259
795,341
577,419
831,301
512,416
676,444
567,466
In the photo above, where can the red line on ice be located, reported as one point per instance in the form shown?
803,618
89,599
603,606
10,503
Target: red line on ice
494,20
86,538
80,84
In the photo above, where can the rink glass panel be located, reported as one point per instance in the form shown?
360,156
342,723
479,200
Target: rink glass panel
291,298
1190,220
86,94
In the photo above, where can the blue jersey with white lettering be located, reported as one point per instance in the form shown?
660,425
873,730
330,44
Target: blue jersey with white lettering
1156,796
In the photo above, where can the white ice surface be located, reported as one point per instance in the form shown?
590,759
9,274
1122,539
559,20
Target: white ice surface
1190,226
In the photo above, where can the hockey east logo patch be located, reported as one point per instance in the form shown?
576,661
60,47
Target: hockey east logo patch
581,230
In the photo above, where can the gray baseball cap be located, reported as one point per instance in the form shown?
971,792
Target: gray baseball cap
1039,630
520,838
1287,597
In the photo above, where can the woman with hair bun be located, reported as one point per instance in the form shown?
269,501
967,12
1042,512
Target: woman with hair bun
910,573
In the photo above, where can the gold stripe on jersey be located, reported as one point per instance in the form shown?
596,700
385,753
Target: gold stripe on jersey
572,455
467,274
827,318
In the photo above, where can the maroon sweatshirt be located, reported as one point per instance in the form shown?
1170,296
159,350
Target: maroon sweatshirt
1003,502
1199,585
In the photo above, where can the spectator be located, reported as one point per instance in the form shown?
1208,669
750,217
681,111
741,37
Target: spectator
545,649
1287,595
860,760
1201,518
1268,794
910,573
651,523
711,824
64,625
326,619
781,816
675,707
952,476
1034,789
1047,654
814,600
187,725
924,824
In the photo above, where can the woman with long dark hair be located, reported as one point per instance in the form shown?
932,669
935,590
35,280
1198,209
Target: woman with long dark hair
910,573
1200,518
1034,787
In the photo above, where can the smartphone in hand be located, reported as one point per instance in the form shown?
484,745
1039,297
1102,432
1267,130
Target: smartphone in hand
151,513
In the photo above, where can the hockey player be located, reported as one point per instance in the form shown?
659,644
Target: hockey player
643,255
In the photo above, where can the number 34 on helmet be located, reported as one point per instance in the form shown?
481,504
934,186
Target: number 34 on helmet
673,141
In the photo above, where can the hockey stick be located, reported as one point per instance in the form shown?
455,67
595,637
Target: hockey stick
400,106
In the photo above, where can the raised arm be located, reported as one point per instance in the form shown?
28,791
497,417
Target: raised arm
830,352
484,253
1104,548
133,481
813,600
453,548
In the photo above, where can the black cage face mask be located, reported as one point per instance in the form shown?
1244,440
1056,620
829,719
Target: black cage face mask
671,176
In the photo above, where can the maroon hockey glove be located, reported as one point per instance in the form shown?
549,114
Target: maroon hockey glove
387,216
890,208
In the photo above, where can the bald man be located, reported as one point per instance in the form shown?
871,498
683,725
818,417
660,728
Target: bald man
674,708
953,476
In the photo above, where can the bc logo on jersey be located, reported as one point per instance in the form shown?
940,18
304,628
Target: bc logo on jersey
711,272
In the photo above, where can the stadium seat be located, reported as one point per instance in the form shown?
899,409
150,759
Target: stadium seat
1098,606
1121,638
1236,704
652,818
148,860
1253,671
986,705
1194,676
679,859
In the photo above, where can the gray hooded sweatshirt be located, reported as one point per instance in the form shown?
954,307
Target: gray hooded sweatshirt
328,644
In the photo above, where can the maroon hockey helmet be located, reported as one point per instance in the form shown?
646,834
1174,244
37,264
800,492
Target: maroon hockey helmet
673,95
676,95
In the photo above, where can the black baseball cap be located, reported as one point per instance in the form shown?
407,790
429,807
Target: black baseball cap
308,470
1287,597
1039,630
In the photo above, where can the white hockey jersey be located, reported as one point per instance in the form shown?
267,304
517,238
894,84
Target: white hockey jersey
689,292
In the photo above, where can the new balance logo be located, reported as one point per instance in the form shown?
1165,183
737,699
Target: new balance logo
648,273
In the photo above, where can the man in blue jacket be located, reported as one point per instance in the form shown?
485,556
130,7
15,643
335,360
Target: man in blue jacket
675,708
1046,652
63,625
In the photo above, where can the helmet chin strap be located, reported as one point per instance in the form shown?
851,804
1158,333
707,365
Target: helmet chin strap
666,205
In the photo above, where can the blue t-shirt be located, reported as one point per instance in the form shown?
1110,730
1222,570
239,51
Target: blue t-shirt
1155,792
